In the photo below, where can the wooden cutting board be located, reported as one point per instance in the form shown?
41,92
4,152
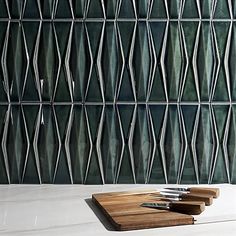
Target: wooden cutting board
124,212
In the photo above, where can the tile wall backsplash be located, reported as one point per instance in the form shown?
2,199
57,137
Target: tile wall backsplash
117,91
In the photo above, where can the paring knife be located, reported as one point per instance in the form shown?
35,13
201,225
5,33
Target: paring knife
215,192
178,196
193,208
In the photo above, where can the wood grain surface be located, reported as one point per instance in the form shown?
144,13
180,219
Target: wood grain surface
124,212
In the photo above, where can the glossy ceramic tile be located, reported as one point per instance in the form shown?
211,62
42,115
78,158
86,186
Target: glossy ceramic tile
117,91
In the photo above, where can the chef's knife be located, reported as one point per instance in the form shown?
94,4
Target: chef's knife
208,200
198,190
193,208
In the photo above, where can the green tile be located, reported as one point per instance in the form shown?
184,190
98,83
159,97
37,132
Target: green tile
31,9
189,172
173,61
111,144
206,7
31,172
63,9
158,9
95,9
141,144
63,83
79,61
15,8
222,9
30,91
111,61
231,147
3,170
157,175
142,65
204,144
111,7
126,30
190,9
48,61
174,8
79,144
190,33
126,9
94,33
157,80
16,61
3,90
79,8
125,171
142,8
3,9
47,8
222,30
205,61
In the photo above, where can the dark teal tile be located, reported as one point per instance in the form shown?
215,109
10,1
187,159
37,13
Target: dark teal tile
174,61
172,144
142,64
111,7
111,144
222,9
190,9
206,8
205,61
219,169
157,83
188,172
142,7
79,144
174,7
64,85
158,9
79,8
3,9
94,90
47,8
232,58
204,144
16,61
16,144
80,61
31,9
221,89
63,9
63,170
48,61
231,147
156,170
126,9
111,61
189,84
126,31
3,88
30,90
15,8
3,169
126,166
95,9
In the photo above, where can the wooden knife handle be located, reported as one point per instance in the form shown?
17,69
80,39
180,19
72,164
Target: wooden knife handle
190,208
215,192
198,197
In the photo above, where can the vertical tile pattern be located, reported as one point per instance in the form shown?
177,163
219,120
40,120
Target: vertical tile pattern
117,91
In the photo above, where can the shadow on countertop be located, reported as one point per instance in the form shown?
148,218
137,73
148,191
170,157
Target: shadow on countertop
99,215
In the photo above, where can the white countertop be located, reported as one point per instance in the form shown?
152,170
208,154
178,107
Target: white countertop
68,210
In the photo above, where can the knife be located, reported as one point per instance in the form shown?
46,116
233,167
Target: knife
215,192
178,196
193,208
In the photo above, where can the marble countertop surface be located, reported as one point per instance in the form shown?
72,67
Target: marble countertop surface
68,210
